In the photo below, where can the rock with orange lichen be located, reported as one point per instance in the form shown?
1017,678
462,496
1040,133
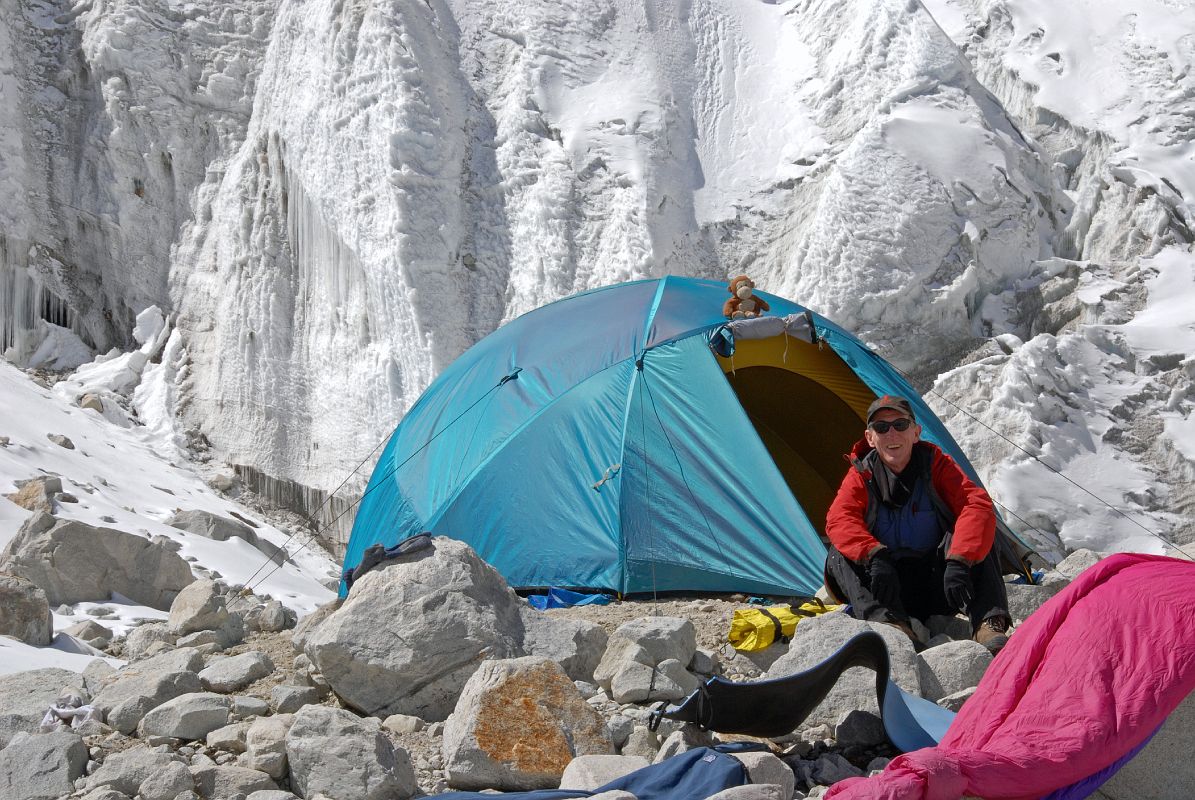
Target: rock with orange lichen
517,725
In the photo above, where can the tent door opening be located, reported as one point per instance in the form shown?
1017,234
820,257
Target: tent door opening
808,408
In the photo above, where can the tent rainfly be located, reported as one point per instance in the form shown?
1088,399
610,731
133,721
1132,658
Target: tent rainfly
603,442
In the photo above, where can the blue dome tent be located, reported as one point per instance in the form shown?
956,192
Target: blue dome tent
599,442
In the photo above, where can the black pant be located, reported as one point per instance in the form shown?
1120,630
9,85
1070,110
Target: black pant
921,593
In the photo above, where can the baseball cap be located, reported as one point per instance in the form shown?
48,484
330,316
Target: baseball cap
892,403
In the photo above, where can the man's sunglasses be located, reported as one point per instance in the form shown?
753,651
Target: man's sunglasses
883,426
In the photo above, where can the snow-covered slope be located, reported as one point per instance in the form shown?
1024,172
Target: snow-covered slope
333,199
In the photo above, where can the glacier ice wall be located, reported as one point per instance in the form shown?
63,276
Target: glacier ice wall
333,199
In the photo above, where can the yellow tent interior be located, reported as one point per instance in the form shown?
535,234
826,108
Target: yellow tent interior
808,408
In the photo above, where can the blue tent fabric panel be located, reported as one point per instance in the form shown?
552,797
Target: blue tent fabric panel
912,722
701,496
537,531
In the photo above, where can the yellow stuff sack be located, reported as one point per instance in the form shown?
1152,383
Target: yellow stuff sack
757,628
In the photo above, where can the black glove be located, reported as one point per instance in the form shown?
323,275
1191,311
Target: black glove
885,580
956,582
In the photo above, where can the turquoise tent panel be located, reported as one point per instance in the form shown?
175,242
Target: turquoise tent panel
529,526
701,498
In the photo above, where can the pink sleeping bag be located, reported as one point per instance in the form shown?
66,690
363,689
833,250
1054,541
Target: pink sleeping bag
1083,683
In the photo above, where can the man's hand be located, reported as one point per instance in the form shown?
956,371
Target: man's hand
956,582
885,581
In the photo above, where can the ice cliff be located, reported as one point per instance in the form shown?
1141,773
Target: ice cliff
333,199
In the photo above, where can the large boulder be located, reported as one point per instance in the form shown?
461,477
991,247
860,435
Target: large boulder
646,659
234,673
215,782
414,629
25,696
199,607
952,667
127,770
144,685
576,645
265,745
221,529
25,611
190,716
41,766
73,562
817,638
517,725
335,753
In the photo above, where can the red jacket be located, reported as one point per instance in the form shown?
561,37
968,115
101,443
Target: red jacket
974,519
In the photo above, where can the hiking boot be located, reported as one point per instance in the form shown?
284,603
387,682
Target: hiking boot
992,633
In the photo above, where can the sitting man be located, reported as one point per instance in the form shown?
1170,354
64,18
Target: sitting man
911,535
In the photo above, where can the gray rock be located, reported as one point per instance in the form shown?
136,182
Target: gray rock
73,562
705,663
60,440
312,622
230,738
96,675
1164,769
244,706
403,723
517,725
334,752
662,637
1071,566
621,654
767,769
199,607
167,782
236,672
214,526
752,791
41,766
289,699
272,794
954,702
1024,599
140,639
374,650
832,768
88,630
952,667
613,794
620,728
126,770
640,683
111,794
189,716
265,745
271,617
224,782
859,728
24,611
641,742
25,696
144,685
576,645
689,737
586,773
819,637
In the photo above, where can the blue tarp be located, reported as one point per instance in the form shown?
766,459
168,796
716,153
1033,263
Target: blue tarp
596,443
563,598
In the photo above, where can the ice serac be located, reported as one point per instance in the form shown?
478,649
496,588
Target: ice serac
126,110
1093,373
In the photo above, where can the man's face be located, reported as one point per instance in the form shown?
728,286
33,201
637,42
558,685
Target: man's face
895,447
